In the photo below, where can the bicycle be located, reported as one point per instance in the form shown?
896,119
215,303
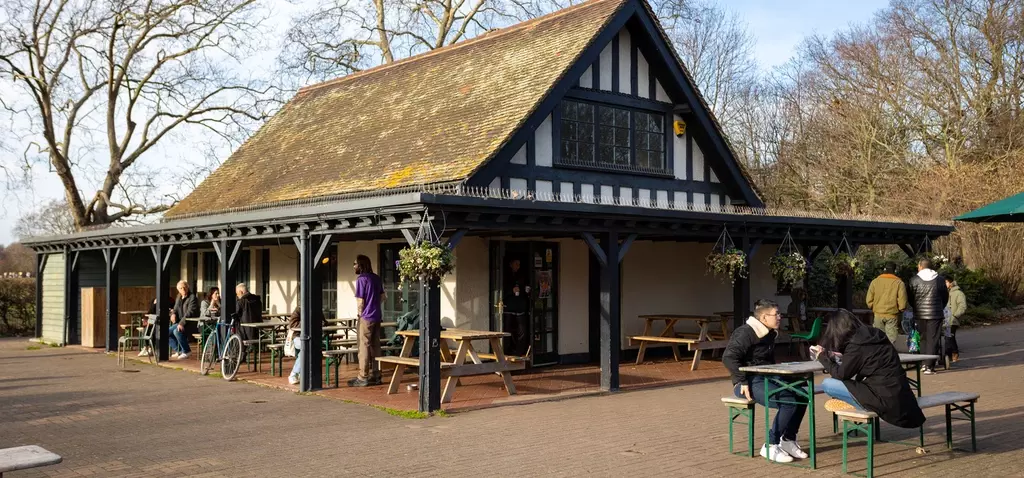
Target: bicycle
228,353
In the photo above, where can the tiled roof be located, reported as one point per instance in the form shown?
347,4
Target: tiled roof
432,118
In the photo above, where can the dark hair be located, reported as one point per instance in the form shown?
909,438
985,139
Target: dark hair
925,263
889,267
762,306
363,265
212,290
842,324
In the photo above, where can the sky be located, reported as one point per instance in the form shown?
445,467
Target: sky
777,25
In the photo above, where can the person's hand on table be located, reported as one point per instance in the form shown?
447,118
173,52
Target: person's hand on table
745,390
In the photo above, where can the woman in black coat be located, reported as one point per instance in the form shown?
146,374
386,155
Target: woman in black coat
865,371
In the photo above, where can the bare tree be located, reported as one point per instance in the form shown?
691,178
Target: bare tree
16,258
100,83
338,37
51,219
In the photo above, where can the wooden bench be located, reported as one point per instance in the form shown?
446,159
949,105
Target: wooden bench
672,341
867,422
741,407
527,358
333,357
26,457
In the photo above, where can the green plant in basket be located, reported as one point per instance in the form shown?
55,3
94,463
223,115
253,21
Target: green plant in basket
788,268
425,260
730,263
843,264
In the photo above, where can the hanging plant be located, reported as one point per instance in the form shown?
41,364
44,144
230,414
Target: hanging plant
726,260
843,264
731,264
939,261
789,269
425,261
788,265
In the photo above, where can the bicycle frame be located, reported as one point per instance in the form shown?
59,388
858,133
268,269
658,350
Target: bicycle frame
219,342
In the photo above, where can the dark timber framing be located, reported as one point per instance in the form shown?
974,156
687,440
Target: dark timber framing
71,297
40,266
161,256
110,257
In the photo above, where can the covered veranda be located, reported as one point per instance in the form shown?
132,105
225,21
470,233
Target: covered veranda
609,229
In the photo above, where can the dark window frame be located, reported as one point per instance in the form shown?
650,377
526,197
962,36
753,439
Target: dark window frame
573,138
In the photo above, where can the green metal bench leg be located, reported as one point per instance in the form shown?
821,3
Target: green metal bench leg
749,414
835,423
974,437
949,427
868,428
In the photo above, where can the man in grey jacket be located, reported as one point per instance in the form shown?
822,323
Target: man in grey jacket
185,306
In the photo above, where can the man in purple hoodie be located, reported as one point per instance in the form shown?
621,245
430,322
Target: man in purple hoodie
369,298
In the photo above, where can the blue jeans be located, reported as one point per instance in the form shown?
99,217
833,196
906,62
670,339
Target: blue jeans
297,368
837,389
177,340
787,420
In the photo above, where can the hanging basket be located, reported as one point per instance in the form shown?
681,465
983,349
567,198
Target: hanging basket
730,264
844,265
425,261
939,261
788,265
726,260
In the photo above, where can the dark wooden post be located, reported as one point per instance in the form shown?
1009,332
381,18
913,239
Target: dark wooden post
226,251
161,254
741,288
430,345
40,265
71,297
844,284
611,319
110,256
311,248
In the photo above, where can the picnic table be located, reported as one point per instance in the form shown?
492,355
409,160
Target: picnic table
798,377
669,336
456,366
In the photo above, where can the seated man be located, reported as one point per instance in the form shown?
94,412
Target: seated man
185,306
752,344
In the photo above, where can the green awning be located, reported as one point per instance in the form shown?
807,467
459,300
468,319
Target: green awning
1010,209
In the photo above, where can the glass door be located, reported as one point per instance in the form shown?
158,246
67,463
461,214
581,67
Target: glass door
544,301
400,297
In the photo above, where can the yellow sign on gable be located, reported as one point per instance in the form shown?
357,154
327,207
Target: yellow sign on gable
679,127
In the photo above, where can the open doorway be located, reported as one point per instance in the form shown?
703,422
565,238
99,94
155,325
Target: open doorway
524,297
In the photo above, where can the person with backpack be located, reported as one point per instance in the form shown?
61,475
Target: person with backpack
887,298
929,296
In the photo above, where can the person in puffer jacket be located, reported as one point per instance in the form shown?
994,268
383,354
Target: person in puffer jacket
751,344
929,296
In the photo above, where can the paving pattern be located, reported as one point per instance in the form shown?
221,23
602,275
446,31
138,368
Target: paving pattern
156,421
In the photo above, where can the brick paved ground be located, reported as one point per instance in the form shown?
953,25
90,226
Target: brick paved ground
162,422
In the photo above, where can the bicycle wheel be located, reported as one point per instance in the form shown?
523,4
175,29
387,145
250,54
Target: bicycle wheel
232,357
208,356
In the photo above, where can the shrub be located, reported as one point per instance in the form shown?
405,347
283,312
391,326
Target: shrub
17,307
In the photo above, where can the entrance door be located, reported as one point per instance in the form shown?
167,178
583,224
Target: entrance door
524,297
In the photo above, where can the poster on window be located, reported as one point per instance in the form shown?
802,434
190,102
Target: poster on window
544,283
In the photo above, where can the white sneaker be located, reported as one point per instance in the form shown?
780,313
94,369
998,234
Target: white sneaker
293,379
775,453
928,371
792,448
145,352
182,356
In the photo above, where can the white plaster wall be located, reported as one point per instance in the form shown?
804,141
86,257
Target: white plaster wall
573,303
670,278
284,279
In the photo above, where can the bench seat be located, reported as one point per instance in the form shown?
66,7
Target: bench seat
734,401
946,398
667,340
409,361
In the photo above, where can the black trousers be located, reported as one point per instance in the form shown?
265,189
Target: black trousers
951,346
518,325
931,333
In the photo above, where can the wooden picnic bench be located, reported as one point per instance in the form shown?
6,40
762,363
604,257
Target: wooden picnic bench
455,366
26,457
668,336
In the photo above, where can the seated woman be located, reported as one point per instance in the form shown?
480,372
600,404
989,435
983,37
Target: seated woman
209,310
294,326
865,372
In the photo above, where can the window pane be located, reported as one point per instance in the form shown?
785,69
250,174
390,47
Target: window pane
621,118
606,135
605,155
621,137
657,124
641,142
585,132
621,155
585,112
657,160
656,142
586,153
568,150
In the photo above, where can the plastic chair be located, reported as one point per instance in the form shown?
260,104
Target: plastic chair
812,335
